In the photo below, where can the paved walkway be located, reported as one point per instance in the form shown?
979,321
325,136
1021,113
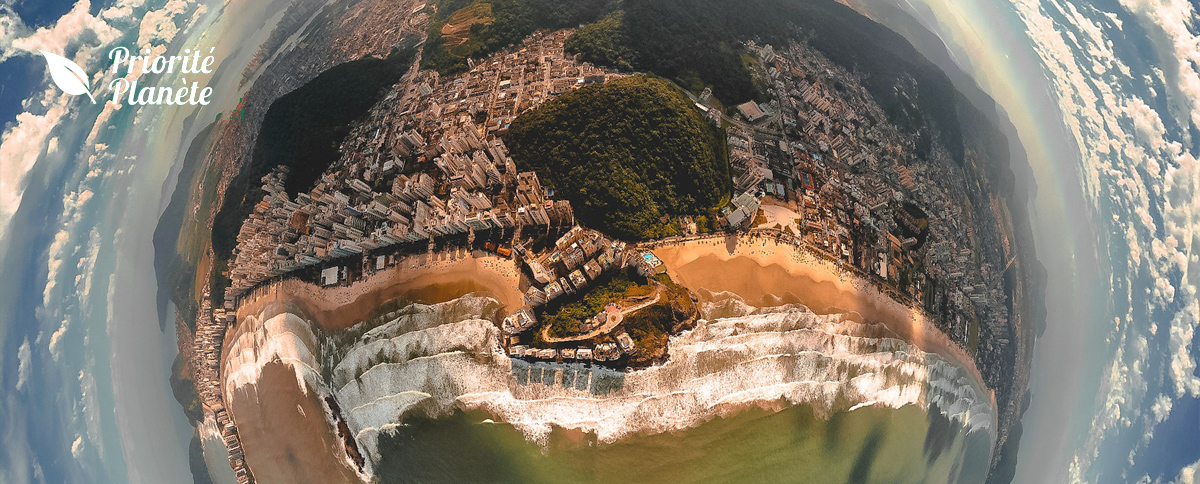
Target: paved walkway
608,326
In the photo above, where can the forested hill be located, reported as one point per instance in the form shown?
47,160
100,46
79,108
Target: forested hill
472,29
625,153
699,43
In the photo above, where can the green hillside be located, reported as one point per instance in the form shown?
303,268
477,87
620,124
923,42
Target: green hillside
625,154
481,27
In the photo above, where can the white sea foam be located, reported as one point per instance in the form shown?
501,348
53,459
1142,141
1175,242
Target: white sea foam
787,354
284,338
431,360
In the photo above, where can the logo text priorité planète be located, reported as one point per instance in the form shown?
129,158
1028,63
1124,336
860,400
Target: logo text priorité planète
72,79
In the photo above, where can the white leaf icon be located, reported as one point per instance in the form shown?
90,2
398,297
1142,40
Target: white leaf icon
67,75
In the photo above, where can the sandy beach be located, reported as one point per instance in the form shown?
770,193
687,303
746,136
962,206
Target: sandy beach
284,429
764,272
425,278
760,270
285,432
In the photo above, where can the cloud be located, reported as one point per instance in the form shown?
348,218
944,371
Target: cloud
78,30
1174,20
1130,166
1183,367
20,146
56,338
77,447
87,266
122,9
10,25
158,27
78,35
83,38
23,364
1161,408
90,411
55,256
1189,474
101,122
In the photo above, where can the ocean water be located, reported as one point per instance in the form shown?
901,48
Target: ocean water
866,445
764,394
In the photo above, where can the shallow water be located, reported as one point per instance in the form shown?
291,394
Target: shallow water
867,445
783,395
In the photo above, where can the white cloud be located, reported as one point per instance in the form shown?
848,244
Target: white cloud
122,9
101,123
87,266
20,146
77,34
158,27
77,447
56,338
55,256
90,411
1175,19
1189,474
78,29
1130,164
1182,364
84,38
1161,408
23,364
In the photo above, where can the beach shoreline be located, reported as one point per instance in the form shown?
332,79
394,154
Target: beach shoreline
765,272
427,278
760,270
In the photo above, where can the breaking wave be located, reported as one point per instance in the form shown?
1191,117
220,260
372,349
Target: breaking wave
284,338
431,360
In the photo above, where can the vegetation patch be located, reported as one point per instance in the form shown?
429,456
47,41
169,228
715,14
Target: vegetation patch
184,389
699,43
659,308
603,42
695,43
630,155
564,321
511,21
457,29
650,328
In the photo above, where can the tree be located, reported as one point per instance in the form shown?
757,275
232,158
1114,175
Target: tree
625,153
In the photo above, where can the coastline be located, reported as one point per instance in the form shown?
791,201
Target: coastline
764,272
745,269
286,431
427,278
759,270
298,415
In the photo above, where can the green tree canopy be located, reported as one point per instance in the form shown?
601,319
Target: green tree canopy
625,153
